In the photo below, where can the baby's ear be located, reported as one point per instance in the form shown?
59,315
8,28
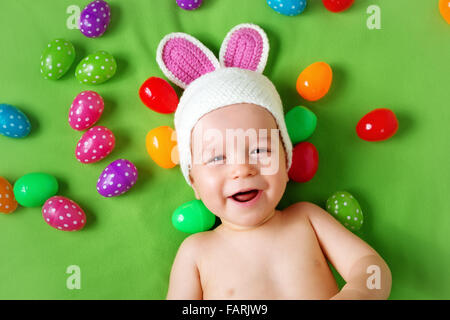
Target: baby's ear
197,196
246,46
183,58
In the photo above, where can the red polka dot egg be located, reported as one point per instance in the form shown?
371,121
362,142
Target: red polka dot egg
86,109
95,144
63,214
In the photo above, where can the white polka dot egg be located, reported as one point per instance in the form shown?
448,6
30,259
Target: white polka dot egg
57,59
96,68
13,122
63,214
86,109
287,7
117,178
346,209
95,144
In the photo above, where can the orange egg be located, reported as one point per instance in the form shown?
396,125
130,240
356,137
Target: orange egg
315,81
7,201
161,145
444,8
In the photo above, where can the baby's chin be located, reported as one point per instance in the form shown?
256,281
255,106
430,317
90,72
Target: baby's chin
246,220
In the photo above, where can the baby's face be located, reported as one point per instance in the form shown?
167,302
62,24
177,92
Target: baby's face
221,166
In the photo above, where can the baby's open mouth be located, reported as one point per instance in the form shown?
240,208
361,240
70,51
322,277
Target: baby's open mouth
245,196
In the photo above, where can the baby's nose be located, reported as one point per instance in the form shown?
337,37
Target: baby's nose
242,170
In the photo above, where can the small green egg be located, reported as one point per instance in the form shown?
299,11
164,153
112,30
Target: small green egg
33,189
96,68
301,123
346,209
57,59
193,217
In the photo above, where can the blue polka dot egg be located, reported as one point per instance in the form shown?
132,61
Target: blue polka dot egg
287,7
13,122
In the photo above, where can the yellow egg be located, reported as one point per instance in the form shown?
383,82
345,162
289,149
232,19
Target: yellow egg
161,145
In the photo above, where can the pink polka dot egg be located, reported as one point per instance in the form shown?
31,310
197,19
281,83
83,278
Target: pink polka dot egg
95,145
63,214
117,178
189,4
86,110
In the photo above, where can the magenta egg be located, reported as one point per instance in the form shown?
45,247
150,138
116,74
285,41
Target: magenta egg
63,214
95,18
117,178
95,144
86,109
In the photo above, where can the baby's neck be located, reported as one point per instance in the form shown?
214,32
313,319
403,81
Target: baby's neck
228,226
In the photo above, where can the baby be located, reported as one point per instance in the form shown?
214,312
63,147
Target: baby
258,252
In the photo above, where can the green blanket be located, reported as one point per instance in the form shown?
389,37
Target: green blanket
127,247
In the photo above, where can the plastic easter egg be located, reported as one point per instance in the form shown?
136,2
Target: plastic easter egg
57,59
8,202
13,122
161,146
287,7
379,124
301,123
337,5
95,145
444,9
344,207
314,82
117,178
158,95
96,68
86,109
305,162
63,214
33,189
95,18
189,4
193,217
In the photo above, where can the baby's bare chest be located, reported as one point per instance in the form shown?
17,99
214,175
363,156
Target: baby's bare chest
290,265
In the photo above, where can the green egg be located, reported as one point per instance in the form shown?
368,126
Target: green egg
346,209
57,59
301,123
33,189
96,68
193,217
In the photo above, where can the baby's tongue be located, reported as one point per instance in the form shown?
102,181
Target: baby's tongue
247,196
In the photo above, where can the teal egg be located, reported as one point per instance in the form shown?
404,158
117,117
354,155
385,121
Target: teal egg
57,59
301,123
96,68
346,209
13,122
193,217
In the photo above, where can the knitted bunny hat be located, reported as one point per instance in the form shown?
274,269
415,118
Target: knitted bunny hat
210,84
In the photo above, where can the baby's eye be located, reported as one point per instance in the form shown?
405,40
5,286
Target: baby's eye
261,150
216,159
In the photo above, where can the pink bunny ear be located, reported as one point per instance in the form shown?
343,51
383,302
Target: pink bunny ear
183,58
246,46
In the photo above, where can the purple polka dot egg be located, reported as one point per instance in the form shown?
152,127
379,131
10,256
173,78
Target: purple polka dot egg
95,18
117,178
189,4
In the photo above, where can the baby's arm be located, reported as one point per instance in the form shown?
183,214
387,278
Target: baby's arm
353,258
184,281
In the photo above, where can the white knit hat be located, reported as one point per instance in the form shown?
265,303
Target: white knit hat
210,85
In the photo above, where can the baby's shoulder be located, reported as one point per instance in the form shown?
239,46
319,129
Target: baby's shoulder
300,210
195,243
